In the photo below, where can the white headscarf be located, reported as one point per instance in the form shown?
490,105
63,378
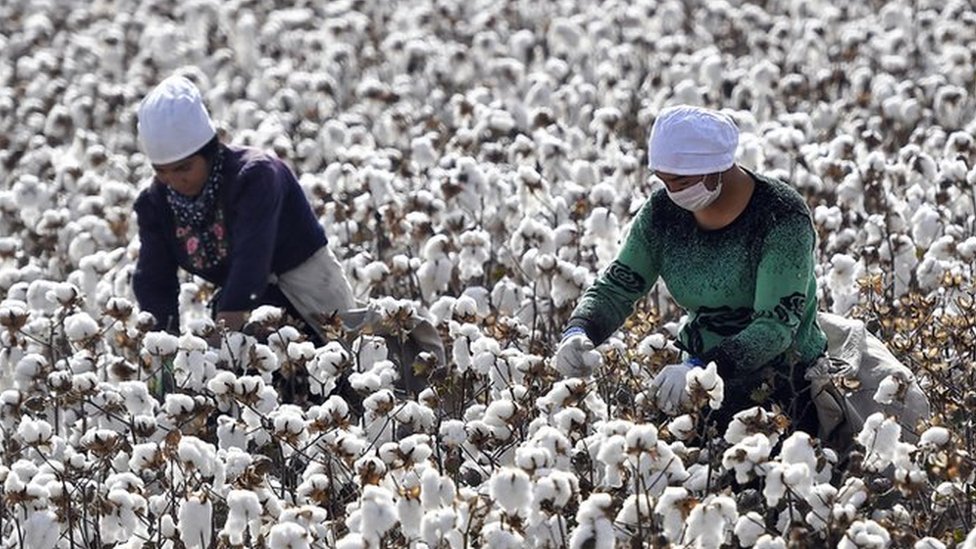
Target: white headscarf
689,140
173,122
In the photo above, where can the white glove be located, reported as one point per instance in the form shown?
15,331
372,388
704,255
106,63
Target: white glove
668,387
575,356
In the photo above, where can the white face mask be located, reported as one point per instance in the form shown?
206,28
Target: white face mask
697,196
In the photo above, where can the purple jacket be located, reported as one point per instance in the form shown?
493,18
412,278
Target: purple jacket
271,229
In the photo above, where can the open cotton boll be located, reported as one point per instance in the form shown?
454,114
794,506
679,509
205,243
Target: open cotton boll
749,527
377,514
842,282
243,517
747,457
887,390
930,543
80,327
671,505
594,529
709,521
708,383
194,521
865,534
41,530
934,437
511,489
33,432
288,535
880,438
926,225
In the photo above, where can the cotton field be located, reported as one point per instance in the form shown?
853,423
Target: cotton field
476,164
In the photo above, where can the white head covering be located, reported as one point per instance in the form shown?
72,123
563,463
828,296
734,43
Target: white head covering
173,122
689,140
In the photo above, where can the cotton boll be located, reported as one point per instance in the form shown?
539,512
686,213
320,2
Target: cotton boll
510,488
671,507
926,225
80,327
865,534
194,522
377,514
749,527
842,282
709,521
747,457
594,527
474,253
887,390
934,437
243,517
706,383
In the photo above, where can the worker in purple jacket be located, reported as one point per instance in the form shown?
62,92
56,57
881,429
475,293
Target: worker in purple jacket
234,216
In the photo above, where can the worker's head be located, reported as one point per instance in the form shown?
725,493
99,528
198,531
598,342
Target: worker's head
689,149
177,135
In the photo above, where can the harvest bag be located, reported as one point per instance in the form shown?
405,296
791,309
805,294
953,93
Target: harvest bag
318,286
844,382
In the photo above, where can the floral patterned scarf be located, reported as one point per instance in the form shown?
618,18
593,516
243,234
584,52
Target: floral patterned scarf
200,224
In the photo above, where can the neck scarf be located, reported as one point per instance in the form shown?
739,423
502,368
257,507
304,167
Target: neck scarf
200,220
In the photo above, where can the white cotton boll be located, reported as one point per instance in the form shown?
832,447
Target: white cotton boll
506,296
511,489
934,437
376,515
682,427
594,528
288,535
465,307
301,351
243,517
194,521
929,543
707,381
475,252
636,510
709,521
120,523
452,433
160,343
231,433
33,432
887,390
747,456
865,534
768,541
266,314
41,530
652,344
798,449
601,229
199,454
80,327
842,282
671,506
613,454
749,527
879,437
929,274
926,225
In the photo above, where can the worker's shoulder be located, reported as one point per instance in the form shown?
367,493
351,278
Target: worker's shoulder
151,195
243,160
777,197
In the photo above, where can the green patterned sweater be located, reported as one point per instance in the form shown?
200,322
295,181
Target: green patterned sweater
749,288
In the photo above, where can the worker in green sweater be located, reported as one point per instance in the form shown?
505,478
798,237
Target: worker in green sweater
736,251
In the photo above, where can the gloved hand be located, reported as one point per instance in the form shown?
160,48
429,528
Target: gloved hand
668,387
576,356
